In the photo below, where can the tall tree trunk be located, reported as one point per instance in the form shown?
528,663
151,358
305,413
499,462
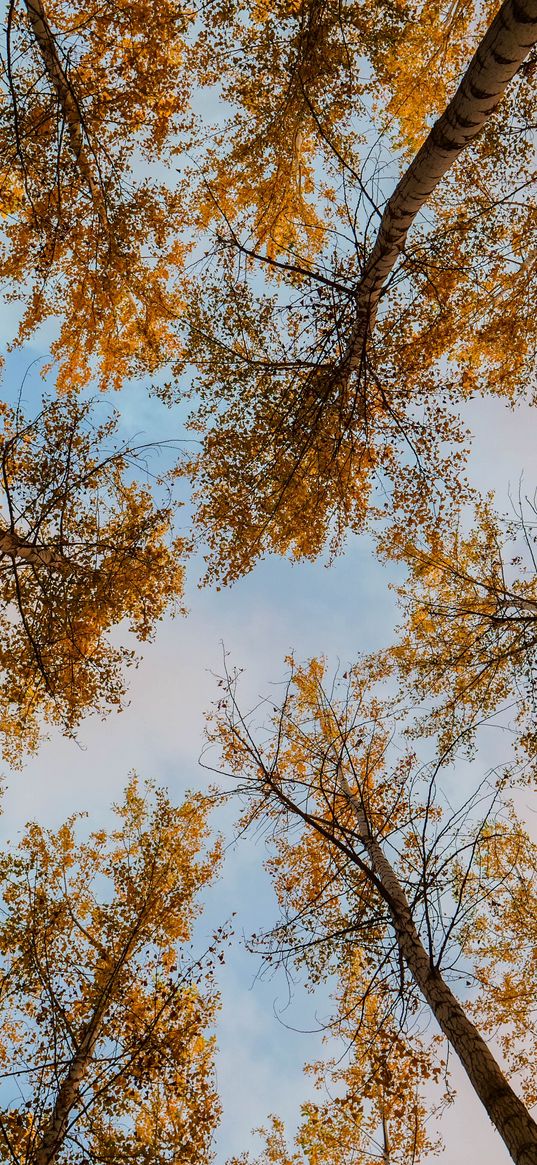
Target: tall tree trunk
504,1107
67,1096
504,47
69,106
57,1126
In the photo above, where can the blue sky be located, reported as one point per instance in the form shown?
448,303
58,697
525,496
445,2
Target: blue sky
280,607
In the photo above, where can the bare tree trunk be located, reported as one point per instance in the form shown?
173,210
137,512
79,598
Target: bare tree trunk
67,100
519,603
504,47
504,1107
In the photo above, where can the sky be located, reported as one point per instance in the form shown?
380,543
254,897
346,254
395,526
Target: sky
264,1034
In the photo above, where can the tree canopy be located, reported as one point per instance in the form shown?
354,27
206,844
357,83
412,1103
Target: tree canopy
106,1050
337,322
316,279
84,545
331,392
400,897
468,638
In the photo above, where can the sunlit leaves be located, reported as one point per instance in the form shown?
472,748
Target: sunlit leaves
84,546
90,100
101,987
469,638
320,422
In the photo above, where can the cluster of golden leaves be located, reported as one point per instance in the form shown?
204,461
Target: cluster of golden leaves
92,549
93,226
293,452
501,943
469,638
94,938
290,74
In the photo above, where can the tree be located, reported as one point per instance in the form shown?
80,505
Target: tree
305,406
342,375
106,1048
92,100
384,885
468,639
83,546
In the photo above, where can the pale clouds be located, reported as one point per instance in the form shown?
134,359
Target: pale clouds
279,608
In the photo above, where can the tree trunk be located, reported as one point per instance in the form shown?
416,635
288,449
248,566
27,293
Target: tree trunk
504,47
57,1127
504,1107
67,100
15,547
519,603
67,1096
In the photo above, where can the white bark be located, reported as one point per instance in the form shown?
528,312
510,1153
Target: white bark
15,547
57,1127
502,50
54,1136
519,603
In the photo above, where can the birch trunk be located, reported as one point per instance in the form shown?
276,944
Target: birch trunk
57,1126
519,603
46,43
504,1107
14,546
504,47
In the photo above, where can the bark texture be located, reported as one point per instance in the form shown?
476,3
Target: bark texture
15,547
57,1128
67,1096
502,50
504,1107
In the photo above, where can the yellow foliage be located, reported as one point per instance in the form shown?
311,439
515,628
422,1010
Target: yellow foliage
334,927
87,547
502,943
469,636
95,99
81,939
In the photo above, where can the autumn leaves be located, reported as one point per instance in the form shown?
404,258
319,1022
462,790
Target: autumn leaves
106,1009
84,547
326,277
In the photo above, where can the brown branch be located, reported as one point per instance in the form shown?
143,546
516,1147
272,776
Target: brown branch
69,105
